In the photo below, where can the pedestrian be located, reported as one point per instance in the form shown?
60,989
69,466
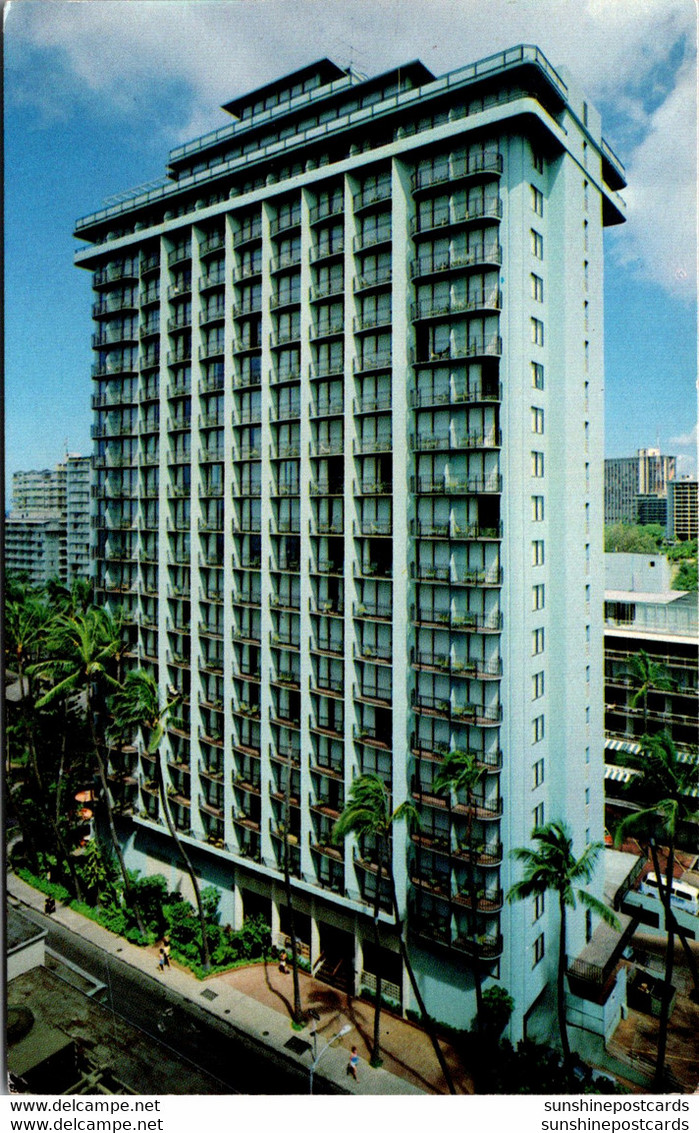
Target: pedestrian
283,967
353,1063
166,952
161,959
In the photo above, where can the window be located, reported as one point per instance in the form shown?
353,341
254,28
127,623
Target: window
587,796
539,906
539,948
538,464
538,641
537,200
537,375
537,284
587,674
537,161
588,926
537,685
537,420
538,815
537,509
537,332
538,771
537,244
587,755
537,732
538,596
537,552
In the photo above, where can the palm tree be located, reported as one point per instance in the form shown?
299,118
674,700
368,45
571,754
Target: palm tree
552,867
665,784
137,704
460,771
367,813
647,675
29,623
84,648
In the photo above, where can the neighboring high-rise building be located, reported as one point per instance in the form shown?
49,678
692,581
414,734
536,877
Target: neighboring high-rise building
683,509
632,484
651,509
48,529
35,546
39,491
655,472
620,489
78,473
349,492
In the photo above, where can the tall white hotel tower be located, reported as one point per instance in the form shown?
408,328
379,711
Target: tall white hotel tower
348,394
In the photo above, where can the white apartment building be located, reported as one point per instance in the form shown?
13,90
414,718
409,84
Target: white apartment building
77,517
349,451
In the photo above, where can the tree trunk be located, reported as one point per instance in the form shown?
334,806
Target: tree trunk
471,916
665,891
102,772
298,1007
427,1021
560,983
376,1050
205,958
62,850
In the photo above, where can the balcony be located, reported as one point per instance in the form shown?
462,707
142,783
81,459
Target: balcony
370,197
371,280
489,347
482,301
364,735
478,715
374,239
423,398
327,251
213,243
212,315
425,266
373,611
445,663
427,529
112,305
213,279
450,485
368,446
479,809
426,225
468,622
286,260
476,165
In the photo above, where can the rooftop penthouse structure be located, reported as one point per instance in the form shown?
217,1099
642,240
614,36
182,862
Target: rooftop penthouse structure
348,395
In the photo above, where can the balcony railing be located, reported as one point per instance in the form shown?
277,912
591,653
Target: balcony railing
490,255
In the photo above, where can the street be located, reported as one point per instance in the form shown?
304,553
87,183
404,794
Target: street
186,1029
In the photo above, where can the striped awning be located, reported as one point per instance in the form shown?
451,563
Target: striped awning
618,774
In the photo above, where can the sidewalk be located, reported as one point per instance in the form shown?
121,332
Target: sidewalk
256,1001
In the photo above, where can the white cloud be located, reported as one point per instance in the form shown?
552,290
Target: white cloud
685,440
659,241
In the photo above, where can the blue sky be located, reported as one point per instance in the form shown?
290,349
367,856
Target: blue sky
97,93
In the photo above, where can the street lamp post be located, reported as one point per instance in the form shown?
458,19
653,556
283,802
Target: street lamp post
343,1031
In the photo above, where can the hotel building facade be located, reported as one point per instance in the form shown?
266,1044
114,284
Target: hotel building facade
348,395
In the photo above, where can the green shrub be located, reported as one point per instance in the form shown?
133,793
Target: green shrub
59,892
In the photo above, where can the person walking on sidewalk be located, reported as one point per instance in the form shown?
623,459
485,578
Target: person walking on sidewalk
161,958
353,1063
166,952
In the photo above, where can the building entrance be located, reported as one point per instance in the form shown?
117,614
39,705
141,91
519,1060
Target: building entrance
336,961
